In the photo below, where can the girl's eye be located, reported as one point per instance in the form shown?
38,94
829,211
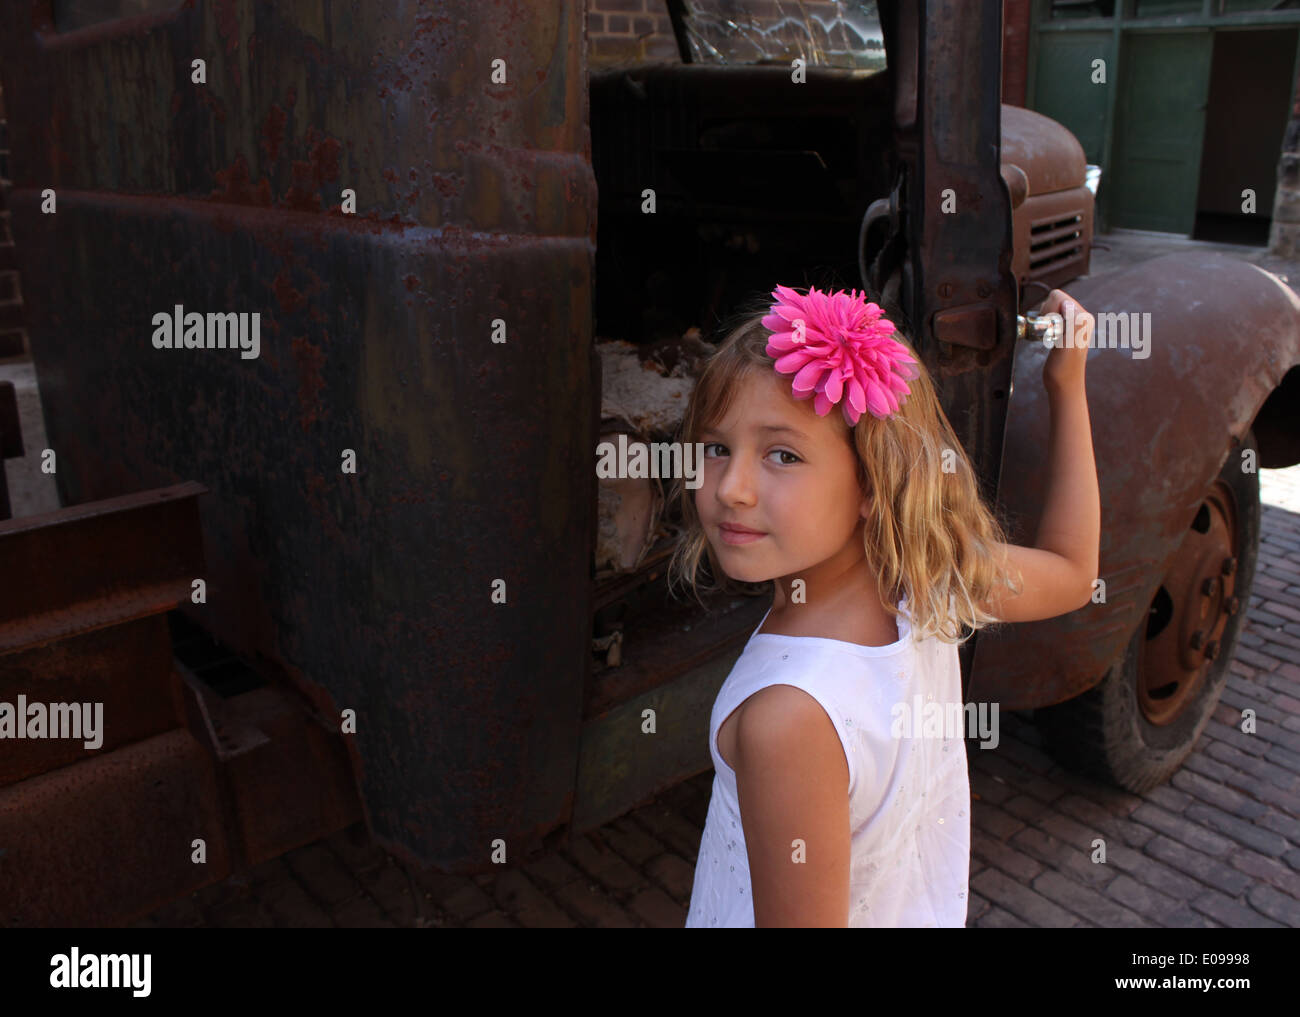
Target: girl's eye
709,445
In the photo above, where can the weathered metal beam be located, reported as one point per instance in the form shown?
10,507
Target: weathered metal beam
84,567
110,839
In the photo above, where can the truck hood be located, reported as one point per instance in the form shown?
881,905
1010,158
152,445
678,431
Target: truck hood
1049,155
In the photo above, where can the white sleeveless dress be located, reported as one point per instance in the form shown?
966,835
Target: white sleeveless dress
909,796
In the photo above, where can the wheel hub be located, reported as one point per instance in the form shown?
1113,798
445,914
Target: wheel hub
1191,610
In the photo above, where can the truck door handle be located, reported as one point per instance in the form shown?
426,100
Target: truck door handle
1037,327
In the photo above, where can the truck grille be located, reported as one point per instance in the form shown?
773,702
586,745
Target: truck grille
1054,240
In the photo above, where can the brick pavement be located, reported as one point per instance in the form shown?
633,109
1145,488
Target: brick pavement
1217,846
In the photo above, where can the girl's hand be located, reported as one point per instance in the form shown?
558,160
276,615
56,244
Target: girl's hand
1065,364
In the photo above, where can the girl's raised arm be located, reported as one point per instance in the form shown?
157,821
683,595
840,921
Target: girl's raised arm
1059,570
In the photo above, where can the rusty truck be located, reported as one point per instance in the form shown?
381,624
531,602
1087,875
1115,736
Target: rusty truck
351,579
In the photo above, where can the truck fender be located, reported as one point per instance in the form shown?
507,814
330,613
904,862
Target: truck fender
1167,406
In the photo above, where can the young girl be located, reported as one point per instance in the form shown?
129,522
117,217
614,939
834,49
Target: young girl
827,808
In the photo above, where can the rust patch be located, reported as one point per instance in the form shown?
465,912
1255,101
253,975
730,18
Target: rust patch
228,24
213,103
445,185
311,175
309,359
301,196
236,187
311,48
273,131
290,299
325,159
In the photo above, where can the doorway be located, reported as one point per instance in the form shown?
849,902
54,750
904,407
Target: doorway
1199,121
1159,129
1251,79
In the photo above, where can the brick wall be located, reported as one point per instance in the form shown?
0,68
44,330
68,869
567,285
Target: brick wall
629,31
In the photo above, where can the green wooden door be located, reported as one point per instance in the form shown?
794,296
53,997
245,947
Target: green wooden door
1159,129
1064,88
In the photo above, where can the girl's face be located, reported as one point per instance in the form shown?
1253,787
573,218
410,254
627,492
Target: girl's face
773,465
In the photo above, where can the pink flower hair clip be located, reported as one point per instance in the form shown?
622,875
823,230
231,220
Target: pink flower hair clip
836,344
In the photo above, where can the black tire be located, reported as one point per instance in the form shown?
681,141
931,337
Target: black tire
1104,732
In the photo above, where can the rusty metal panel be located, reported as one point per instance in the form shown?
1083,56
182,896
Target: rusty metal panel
107,841
616,774
673,665
372,590
1156,456
122,674
285,780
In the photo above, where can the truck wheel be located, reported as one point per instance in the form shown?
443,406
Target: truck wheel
1136,727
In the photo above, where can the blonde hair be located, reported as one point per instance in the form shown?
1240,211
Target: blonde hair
930,536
